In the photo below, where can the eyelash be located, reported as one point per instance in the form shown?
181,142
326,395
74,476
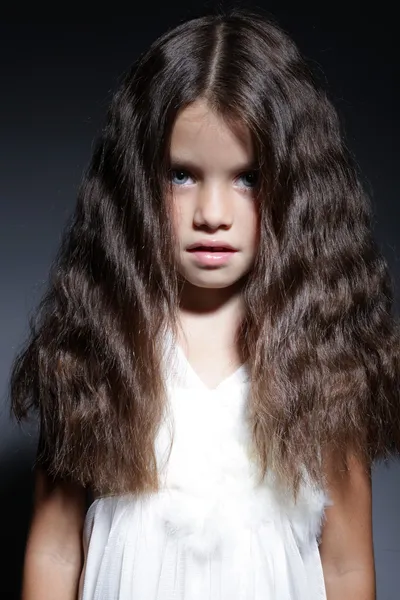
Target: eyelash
186,172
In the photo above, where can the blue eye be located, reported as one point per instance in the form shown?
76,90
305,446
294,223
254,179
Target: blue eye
179,172
253,177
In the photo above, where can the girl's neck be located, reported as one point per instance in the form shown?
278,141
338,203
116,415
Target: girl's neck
211,315
210,301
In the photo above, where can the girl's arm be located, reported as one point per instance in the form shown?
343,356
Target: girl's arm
54,553
347,543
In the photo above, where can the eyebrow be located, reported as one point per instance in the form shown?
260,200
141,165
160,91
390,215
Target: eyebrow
186,163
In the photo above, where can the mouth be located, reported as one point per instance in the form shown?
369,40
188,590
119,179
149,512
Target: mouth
208,249
211,246
210,255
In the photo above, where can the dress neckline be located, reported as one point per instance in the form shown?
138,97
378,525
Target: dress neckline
239,375
187,376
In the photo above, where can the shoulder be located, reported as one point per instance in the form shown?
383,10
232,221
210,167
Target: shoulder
53,491
348,476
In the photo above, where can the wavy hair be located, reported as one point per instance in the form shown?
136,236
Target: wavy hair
322,344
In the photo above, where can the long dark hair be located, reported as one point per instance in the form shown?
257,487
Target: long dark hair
322,344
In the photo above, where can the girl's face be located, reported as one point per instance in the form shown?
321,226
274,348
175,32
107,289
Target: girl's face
213,177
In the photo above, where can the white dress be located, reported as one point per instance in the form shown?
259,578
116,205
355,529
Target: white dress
211,533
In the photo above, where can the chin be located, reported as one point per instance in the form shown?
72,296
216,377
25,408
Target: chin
212,281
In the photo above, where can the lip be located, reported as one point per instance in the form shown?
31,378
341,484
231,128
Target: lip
203,245
211,253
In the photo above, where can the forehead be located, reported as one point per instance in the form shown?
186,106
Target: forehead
199,132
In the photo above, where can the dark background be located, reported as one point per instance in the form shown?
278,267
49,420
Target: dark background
56,82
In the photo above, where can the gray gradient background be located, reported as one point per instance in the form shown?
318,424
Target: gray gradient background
56,82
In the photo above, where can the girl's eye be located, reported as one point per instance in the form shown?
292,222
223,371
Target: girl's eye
252,177
181,175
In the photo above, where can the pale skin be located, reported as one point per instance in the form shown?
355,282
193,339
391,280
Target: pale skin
213,199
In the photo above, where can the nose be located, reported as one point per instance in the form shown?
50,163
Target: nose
214,207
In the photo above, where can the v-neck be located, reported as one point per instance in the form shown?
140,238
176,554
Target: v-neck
239,375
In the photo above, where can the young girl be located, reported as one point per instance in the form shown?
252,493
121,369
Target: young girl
215,363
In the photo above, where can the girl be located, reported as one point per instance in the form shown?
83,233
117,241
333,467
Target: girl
215,364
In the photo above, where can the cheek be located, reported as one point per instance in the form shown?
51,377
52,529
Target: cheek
257,227
251,223
178,219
